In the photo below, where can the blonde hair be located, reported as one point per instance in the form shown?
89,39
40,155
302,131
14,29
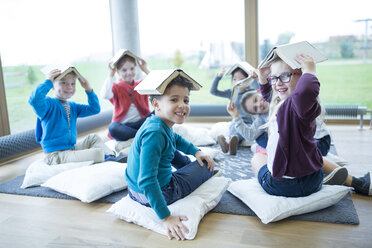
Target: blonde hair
275,102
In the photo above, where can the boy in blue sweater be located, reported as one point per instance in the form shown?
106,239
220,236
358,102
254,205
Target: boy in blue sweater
149,171
56,123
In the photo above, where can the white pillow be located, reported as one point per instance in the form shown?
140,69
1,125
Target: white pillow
90,183
39,172
193,206
271,208
220,128
196,135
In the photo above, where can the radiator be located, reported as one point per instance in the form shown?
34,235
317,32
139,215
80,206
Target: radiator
346,112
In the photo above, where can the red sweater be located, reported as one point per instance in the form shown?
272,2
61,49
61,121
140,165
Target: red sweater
124,96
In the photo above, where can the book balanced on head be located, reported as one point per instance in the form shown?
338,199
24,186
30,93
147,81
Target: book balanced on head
243,65
64,68
245,82
119,54
288,53
157,81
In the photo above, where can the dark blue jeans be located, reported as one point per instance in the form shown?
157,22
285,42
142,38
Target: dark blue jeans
296,187
183,182
324,144
125,131
262,140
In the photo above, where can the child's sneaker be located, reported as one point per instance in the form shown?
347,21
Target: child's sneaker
234,140
223,144
336,177
362,185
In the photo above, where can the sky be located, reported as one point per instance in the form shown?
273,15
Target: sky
54,31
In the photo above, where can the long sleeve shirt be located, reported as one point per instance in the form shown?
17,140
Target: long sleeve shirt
149,167
122,95
53,130
296,153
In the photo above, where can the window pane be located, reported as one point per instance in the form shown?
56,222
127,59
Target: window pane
36,33
199,37
339,29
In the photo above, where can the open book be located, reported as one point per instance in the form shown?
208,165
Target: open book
288,53
245,66
157,80
119,54
244,83
64,68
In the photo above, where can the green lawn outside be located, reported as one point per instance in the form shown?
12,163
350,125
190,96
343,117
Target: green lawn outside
340,84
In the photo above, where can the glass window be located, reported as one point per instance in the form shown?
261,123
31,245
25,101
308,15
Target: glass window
199,37
342,32
36,33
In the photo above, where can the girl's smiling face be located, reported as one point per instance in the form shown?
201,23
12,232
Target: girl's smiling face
127,72
284,90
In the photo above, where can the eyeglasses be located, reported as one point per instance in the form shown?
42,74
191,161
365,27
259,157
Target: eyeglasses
284,78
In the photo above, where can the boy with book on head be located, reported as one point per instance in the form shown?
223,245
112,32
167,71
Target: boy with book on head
130,108
151,181
239,72
293,166
56,123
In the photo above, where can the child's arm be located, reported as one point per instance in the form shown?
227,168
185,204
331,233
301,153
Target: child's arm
305,95
265,88
214,87
106,90
38,97
249,132
93,106
85,84
151,149
143,65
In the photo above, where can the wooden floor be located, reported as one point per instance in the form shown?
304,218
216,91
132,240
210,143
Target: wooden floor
44,222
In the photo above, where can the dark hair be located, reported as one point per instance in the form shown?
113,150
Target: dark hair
241,71
179,81
124,59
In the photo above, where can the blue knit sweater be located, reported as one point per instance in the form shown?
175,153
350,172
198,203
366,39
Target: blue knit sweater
149,169
53,131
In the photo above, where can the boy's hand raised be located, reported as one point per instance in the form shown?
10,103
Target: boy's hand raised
53,74
143,65
85,84
173,225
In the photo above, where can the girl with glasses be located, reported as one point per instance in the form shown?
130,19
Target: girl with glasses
293,166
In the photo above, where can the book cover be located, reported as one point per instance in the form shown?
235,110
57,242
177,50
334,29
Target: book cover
244,83
64,68
156,81
245,66
119,54
288,53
